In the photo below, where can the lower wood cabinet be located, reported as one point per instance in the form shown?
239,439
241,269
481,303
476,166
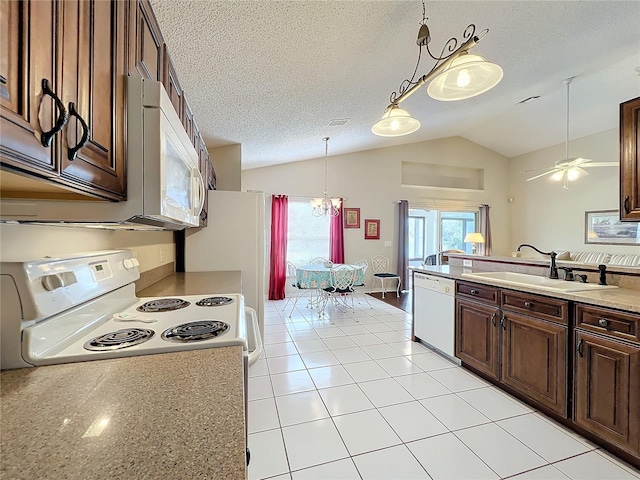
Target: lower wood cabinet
607,389
534,359
477,336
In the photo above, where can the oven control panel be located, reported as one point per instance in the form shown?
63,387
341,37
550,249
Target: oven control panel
100,271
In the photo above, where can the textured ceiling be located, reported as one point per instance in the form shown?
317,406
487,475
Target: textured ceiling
271,75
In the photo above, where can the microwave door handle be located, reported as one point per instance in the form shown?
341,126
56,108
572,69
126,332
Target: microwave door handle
200,192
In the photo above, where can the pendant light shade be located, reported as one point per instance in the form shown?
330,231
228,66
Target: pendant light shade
467,76
395,122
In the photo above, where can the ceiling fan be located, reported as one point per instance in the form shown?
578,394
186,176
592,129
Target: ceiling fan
568,169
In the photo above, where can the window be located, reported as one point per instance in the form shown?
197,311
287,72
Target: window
433,231
416,238
307,236
454,226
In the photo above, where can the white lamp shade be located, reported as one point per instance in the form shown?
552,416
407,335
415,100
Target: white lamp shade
395,122
467,76
474,237
335,202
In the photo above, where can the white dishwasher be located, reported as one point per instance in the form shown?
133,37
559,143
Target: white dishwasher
434,312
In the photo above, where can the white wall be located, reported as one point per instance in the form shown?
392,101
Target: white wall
371,180
227,164
550,217
30,242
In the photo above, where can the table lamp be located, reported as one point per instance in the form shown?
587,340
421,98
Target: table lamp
473,238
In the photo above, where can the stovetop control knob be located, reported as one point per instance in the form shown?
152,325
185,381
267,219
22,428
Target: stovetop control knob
51,282
57,280
130,263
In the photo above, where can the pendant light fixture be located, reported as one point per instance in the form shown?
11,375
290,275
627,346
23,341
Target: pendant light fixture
325,206
455,76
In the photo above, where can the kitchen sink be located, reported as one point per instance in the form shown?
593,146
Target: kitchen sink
543,283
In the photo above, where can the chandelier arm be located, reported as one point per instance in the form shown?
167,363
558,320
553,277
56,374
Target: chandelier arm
452,44
437,69
406,83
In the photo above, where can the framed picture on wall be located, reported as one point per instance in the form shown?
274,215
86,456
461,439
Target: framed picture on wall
351,218
371,229
605,227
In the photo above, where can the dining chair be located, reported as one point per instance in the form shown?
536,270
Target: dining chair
318,261
341,286
358,288
380,266
295,290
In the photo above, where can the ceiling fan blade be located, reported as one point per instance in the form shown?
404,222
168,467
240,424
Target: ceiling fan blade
543,174
536,169
603,164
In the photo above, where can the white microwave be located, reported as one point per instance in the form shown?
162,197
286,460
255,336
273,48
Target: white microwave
164,187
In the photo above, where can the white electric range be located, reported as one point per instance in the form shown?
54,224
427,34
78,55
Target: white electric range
83,307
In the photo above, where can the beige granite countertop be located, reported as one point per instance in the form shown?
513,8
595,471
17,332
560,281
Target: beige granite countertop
195,283
619,298
167,416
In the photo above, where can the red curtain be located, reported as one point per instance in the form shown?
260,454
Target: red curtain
278,270
336,237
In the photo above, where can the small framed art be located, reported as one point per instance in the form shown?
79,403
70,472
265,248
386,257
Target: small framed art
605,227
371,229
351,218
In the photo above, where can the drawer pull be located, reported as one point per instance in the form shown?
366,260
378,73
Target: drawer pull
473,292
71,154
493,318
527,304
503,322
603,322
579,347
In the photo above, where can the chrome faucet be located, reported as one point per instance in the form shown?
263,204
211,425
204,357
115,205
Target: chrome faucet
553,269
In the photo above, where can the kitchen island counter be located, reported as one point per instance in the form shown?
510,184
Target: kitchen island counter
171,415
621,298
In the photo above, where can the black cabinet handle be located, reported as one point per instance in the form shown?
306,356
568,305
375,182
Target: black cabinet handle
73,152
626,204
493,318
503,322
527,304
579,347
46,137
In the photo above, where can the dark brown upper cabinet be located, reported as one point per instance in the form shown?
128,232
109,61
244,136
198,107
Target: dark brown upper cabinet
63,74
171,82
630,160
147,56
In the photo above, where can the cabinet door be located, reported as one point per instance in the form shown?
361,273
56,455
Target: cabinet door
534,359
477,334
27,56
187,119
147,56
171,82
93,79
630,160
607,389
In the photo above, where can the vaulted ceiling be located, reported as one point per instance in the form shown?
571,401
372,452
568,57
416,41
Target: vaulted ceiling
271,75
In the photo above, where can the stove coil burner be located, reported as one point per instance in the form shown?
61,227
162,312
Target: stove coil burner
163,305
124,338
196,331
214,301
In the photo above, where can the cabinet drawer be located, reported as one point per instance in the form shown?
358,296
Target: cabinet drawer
536,305
612,322
482,293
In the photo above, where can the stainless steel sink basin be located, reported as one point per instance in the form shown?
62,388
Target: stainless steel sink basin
543,283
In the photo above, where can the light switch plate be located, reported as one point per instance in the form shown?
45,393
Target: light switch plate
467,263
387,243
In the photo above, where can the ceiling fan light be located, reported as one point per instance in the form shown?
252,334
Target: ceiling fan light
467,76
557,176
573,174
395,122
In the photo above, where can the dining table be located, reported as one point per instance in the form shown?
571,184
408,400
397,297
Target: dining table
319,276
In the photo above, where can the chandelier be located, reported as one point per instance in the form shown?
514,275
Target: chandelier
325,206
456,75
